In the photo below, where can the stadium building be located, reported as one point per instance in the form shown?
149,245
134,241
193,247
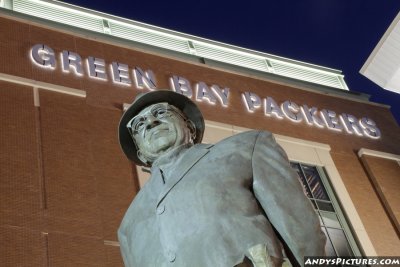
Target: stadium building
66,76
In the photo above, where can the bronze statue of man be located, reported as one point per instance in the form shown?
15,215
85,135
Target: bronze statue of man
233,203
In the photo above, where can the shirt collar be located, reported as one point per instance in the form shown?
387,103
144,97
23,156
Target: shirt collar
171,155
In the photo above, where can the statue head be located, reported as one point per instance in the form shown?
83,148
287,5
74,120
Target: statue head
157,122
158,128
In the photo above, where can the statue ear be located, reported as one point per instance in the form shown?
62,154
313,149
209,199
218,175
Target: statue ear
192,129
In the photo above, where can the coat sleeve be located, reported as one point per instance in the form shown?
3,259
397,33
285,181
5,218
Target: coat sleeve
123,244
280,193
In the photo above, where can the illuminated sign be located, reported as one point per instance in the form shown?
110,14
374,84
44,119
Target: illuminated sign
323,118
45,57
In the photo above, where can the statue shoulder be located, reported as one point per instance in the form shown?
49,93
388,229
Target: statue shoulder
254,133
251,135
247,137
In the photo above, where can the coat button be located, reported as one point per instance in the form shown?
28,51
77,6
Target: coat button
160,210
171,256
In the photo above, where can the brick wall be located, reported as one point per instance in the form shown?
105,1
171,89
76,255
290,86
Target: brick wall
65,185
64,182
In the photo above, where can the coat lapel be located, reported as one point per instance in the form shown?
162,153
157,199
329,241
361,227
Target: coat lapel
191,158
156,182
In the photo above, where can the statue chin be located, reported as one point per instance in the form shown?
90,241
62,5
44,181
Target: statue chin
161,145
158,149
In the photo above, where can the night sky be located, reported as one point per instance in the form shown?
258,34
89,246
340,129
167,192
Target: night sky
338,34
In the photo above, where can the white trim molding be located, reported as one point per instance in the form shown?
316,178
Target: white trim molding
379,154
111,243
42,85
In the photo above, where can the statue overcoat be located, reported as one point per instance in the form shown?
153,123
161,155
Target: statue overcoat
221,200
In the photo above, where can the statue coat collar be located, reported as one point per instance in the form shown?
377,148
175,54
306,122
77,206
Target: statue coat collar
190,158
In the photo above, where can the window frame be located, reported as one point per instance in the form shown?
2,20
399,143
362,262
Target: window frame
343,221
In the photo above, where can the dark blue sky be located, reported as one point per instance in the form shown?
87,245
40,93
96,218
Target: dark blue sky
338,34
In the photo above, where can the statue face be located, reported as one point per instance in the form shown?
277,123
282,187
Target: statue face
158,128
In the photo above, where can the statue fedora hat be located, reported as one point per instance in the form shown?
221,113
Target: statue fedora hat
183,103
